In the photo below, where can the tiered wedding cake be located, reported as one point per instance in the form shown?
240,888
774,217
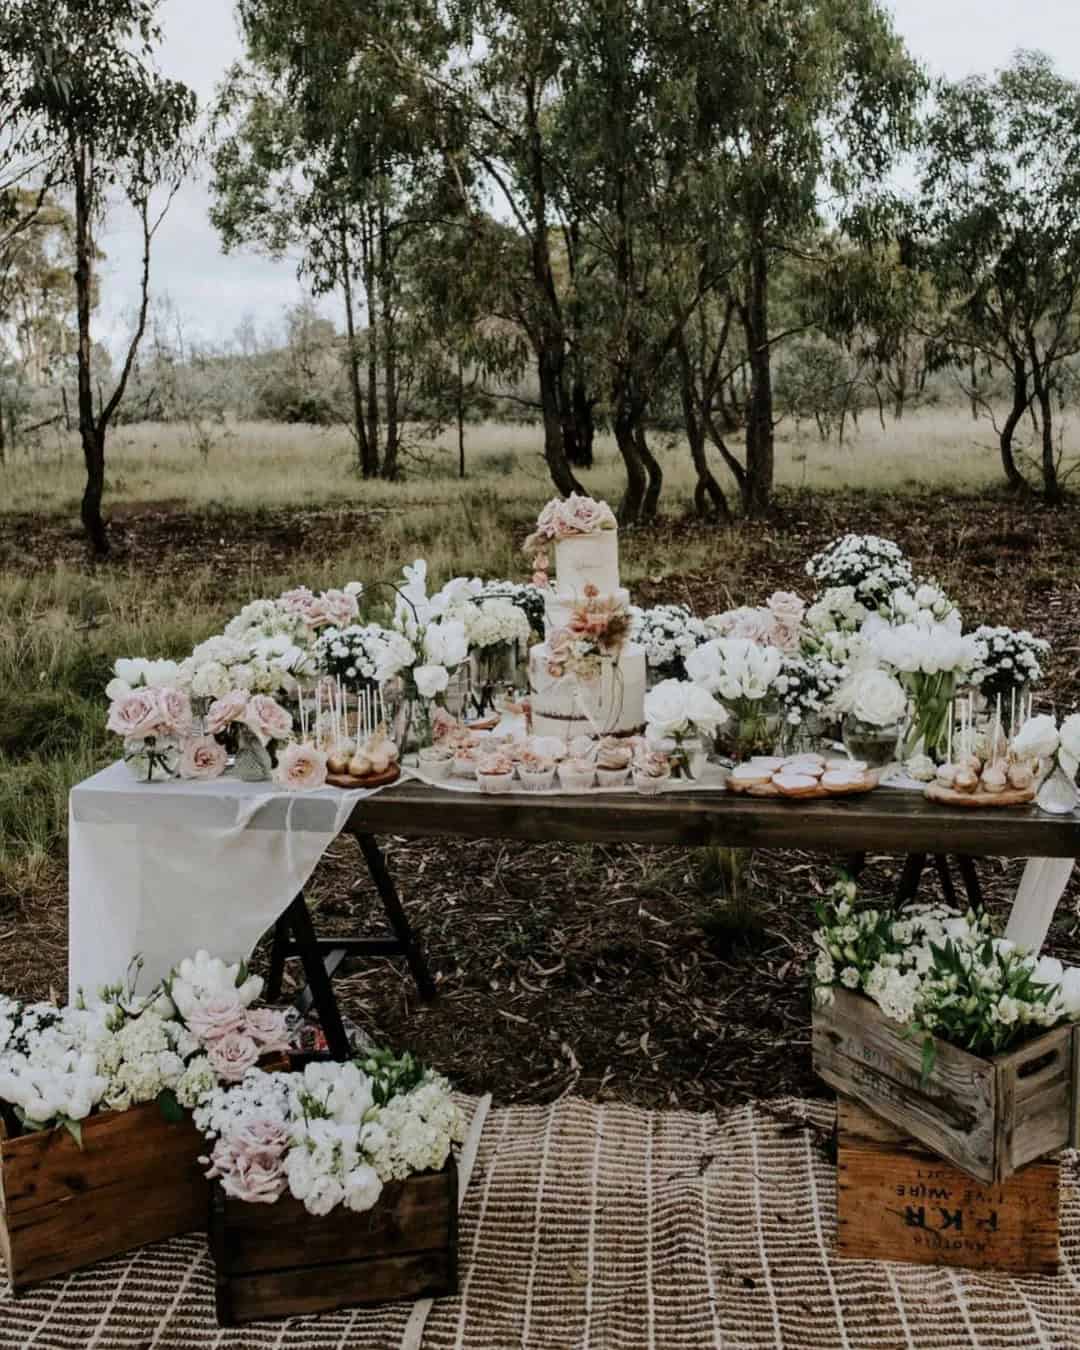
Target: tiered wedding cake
586,677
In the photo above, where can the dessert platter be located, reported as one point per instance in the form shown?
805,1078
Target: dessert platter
805,777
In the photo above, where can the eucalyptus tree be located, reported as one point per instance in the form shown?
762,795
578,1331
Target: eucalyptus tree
1000,230
95,105
813,101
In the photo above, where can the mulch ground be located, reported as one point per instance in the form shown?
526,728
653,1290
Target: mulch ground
614,971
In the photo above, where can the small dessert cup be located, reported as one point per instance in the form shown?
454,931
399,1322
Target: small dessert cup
464,766
537,780
495,782
436,763
575,776
650,785
612,778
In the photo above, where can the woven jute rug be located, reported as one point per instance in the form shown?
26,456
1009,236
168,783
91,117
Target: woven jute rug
607,1227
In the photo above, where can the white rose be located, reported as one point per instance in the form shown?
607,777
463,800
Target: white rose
877,698
430,680
362,1188
1036,739
1070,743
1070,991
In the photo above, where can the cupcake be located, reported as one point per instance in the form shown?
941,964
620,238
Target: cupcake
577,775
495,773
437,762
536,772
652,770
548,747
612,762
464,762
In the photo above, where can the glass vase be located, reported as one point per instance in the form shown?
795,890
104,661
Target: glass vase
253,763
493,674
152,760
875,746
1057,794
931,708
810,736
754,727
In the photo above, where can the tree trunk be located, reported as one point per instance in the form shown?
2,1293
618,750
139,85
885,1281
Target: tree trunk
548,370
371,286
709,499
390,468
974,388
630,507
760,446
93,440
1021,399
584,420
363,445
460,391
1051,485
651,502
3,439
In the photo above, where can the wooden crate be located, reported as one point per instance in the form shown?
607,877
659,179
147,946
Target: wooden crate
989,1117
897,1202
136,1179
278,1260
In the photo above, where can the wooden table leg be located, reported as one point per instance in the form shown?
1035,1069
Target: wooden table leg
409,943
306,946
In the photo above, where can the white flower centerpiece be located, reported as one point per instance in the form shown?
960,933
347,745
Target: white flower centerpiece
680,717
1010,666
668,633
930,660
873,568
748,680
873,704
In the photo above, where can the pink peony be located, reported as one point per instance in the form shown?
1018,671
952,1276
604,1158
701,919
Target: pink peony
268,1028
267,719
224,711
202,758
137,715
231,1055
219,1015
249,1172
300,767
298,602
175,712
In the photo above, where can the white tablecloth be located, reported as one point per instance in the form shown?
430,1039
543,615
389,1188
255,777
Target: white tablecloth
159,870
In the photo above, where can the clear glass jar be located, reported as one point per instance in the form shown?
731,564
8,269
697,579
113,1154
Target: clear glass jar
253,763
1058,794
153,760
754,727
875,746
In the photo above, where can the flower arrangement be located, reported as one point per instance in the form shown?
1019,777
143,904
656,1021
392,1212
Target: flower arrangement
1052,752
596,631
668,633
748,679
332,1135
940,973
59,1065
778,623
363,655
837,610
152,722
873,567
528,598
930,661
874,698
269,665
810,687
923,603
678,712
1011,662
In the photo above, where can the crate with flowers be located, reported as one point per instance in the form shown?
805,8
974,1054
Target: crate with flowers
98,1153
335,1185
961,1040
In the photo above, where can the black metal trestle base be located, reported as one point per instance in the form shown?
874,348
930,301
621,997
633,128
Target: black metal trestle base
294,936
915,865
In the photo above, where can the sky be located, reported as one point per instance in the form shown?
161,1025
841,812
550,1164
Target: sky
213,292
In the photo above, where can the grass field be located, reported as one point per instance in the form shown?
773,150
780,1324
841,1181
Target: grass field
614,953
267,464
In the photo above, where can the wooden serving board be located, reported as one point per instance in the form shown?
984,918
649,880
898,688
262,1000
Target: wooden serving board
937,792
345,780
866,784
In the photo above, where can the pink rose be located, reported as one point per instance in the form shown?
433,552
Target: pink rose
248,1172
268,1028
267,719
137,715
217,1016
231,1055
202,758
301,767
231,707
332,607
298,602
788,611
175,709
